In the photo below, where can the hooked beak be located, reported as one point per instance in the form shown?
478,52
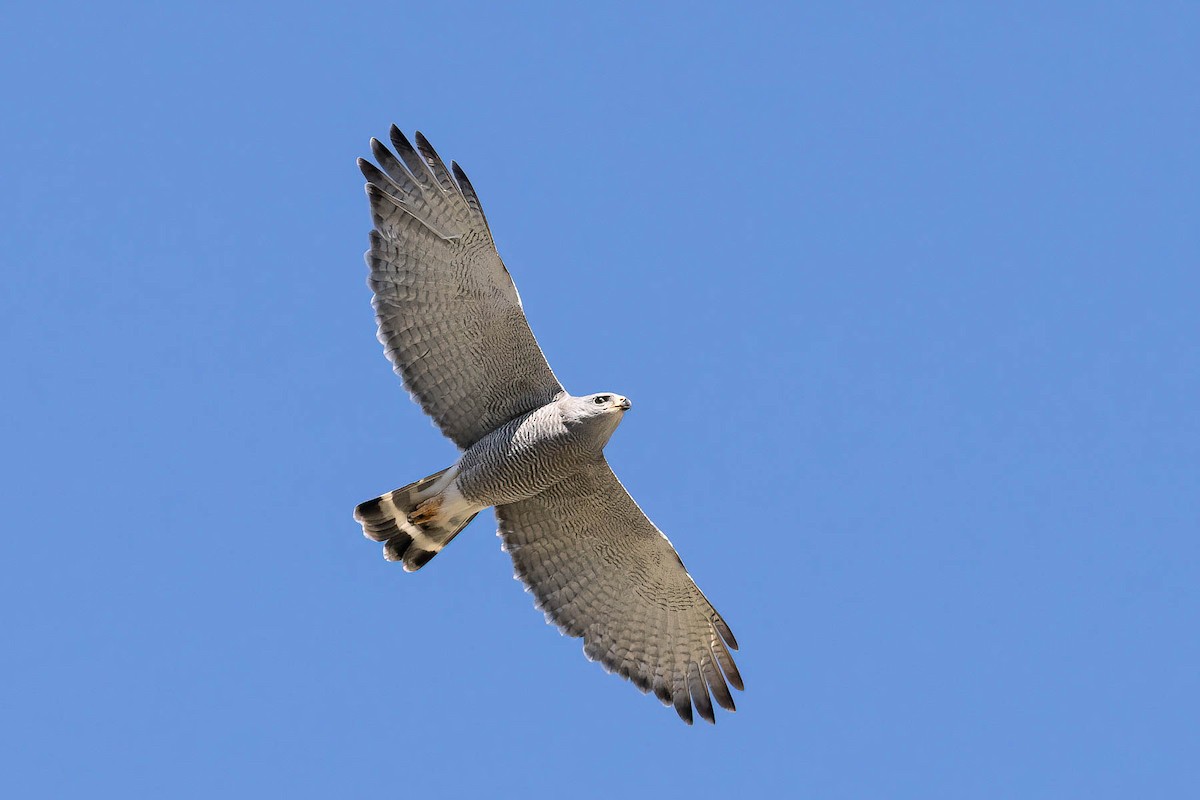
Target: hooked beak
624,404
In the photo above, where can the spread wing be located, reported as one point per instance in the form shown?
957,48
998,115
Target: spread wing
449,315
601,570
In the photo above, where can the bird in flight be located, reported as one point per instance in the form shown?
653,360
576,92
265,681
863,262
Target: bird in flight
452,324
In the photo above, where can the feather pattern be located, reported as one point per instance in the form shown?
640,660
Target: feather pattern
449,315
601,570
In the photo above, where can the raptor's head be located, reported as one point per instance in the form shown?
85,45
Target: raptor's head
598,413
605,403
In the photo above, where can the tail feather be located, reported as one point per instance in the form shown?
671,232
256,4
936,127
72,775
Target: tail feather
385,519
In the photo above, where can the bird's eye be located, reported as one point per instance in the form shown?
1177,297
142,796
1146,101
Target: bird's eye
601,400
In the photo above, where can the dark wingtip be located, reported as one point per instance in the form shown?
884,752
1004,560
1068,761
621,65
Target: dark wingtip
726,634
683,707
466,189
370,171
399,140
437,166
380,151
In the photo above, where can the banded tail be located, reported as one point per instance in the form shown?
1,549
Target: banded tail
385,519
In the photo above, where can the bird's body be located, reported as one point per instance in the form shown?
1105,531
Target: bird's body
453,326
525,457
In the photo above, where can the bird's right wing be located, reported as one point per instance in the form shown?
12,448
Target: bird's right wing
601,570
449,315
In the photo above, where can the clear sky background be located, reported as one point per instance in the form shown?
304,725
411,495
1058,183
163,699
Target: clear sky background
906,300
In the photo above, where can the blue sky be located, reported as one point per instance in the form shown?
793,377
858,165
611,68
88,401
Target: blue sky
905,298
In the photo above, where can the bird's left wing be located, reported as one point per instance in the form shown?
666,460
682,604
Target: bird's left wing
448,312
601,570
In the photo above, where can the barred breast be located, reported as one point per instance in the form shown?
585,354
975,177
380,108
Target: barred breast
524,457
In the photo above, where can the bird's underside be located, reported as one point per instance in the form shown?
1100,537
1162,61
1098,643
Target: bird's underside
453,327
